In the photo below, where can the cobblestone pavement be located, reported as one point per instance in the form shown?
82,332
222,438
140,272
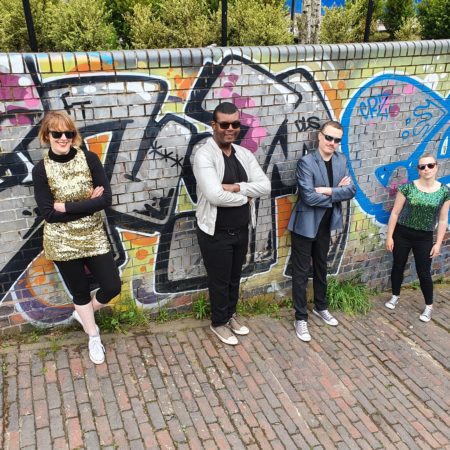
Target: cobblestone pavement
380,381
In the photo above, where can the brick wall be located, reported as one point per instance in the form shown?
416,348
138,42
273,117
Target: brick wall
146,112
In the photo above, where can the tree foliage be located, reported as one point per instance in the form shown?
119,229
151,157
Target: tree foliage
171,24
410,30
257,22
434,18
80,25
60,25
395,13
347,23
13,27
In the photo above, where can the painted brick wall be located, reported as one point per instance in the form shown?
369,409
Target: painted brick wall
146,112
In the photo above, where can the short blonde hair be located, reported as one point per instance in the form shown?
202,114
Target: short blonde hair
58,121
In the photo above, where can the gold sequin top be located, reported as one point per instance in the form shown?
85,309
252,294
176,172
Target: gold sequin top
71,182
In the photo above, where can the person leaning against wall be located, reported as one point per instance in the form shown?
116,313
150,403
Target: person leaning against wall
417,207
323,182
229,178
71,189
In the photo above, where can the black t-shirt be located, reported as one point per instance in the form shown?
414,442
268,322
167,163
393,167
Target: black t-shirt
326,219
236,216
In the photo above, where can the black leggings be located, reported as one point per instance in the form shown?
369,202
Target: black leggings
420,242
104,270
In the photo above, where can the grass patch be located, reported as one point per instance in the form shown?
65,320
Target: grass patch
201,308
350,296
259,305
122,316
263,305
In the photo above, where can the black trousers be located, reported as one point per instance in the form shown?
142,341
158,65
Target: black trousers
223,255
303,251
420,242
104,270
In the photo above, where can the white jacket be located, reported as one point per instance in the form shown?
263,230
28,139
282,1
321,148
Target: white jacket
209,169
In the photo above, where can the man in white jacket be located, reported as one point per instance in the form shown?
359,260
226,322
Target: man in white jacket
228,179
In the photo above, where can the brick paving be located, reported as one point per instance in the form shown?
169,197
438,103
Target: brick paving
376,382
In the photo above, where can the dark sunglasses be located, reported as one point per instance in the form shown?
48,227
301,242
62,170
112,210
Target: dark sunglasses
225,125
429,165
58,134
331,138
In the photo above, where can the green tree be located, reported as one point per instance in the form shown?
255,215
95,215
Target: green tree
119,9
170,24
410,30
81,25
434,18
13,28
395,13
256,22
347,23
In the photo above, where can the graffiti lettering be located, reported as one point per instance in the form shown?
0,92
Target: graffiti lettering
308,123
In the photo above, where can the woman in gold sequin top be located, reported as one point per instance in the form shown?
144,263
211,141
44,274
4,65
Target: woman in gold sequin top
71,189
419,205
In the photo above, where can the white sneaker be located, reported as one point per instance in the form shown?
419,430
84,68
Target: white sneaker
301,330
426,315
326,317
224,334
392,303
76,316
236,327
96,350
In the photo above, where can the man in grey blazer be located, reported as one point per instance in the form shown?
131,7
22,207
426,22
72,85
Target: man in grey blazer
323,183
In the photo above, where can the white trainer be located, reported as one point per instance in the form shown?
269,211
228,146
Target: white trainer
326,317
392,303
426,315
96,350
301,330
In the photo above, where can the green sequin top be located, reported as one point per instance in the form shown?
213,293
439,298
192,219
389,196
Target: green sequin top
421,209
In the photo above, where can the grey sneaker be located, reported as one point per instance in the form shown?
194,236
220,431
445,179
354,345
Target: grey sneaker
426,315
326,317
301,330
224,333
236,327
392,303
96,350
76,316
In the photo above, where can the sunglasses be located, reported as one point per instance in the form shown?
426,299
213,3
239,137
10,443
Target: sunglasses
331,138
225,125
58,134
429,165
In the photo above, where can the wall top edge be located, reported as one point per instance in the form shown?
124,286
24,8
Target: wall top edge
132,59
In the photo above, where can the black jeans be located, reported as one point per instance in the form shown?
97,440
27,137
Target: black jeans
223,255
420,242
103,268
303,251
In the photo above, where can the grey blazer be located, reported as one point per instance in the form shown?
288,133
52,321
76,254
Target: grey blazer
311,206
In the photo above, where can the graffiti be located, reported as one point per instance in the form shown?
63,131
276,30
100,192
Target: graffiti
402,121
146,128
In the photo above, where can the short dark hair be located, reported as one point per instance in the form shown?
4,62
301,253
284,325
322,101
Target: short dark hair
332,123
224,108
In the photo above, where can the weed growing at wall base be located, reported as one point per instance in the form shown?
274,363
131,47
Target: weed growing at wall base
121,316
201,308
350,296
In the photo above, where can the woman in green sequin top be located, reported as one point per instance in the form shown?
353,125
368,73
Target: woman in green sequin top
419,205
